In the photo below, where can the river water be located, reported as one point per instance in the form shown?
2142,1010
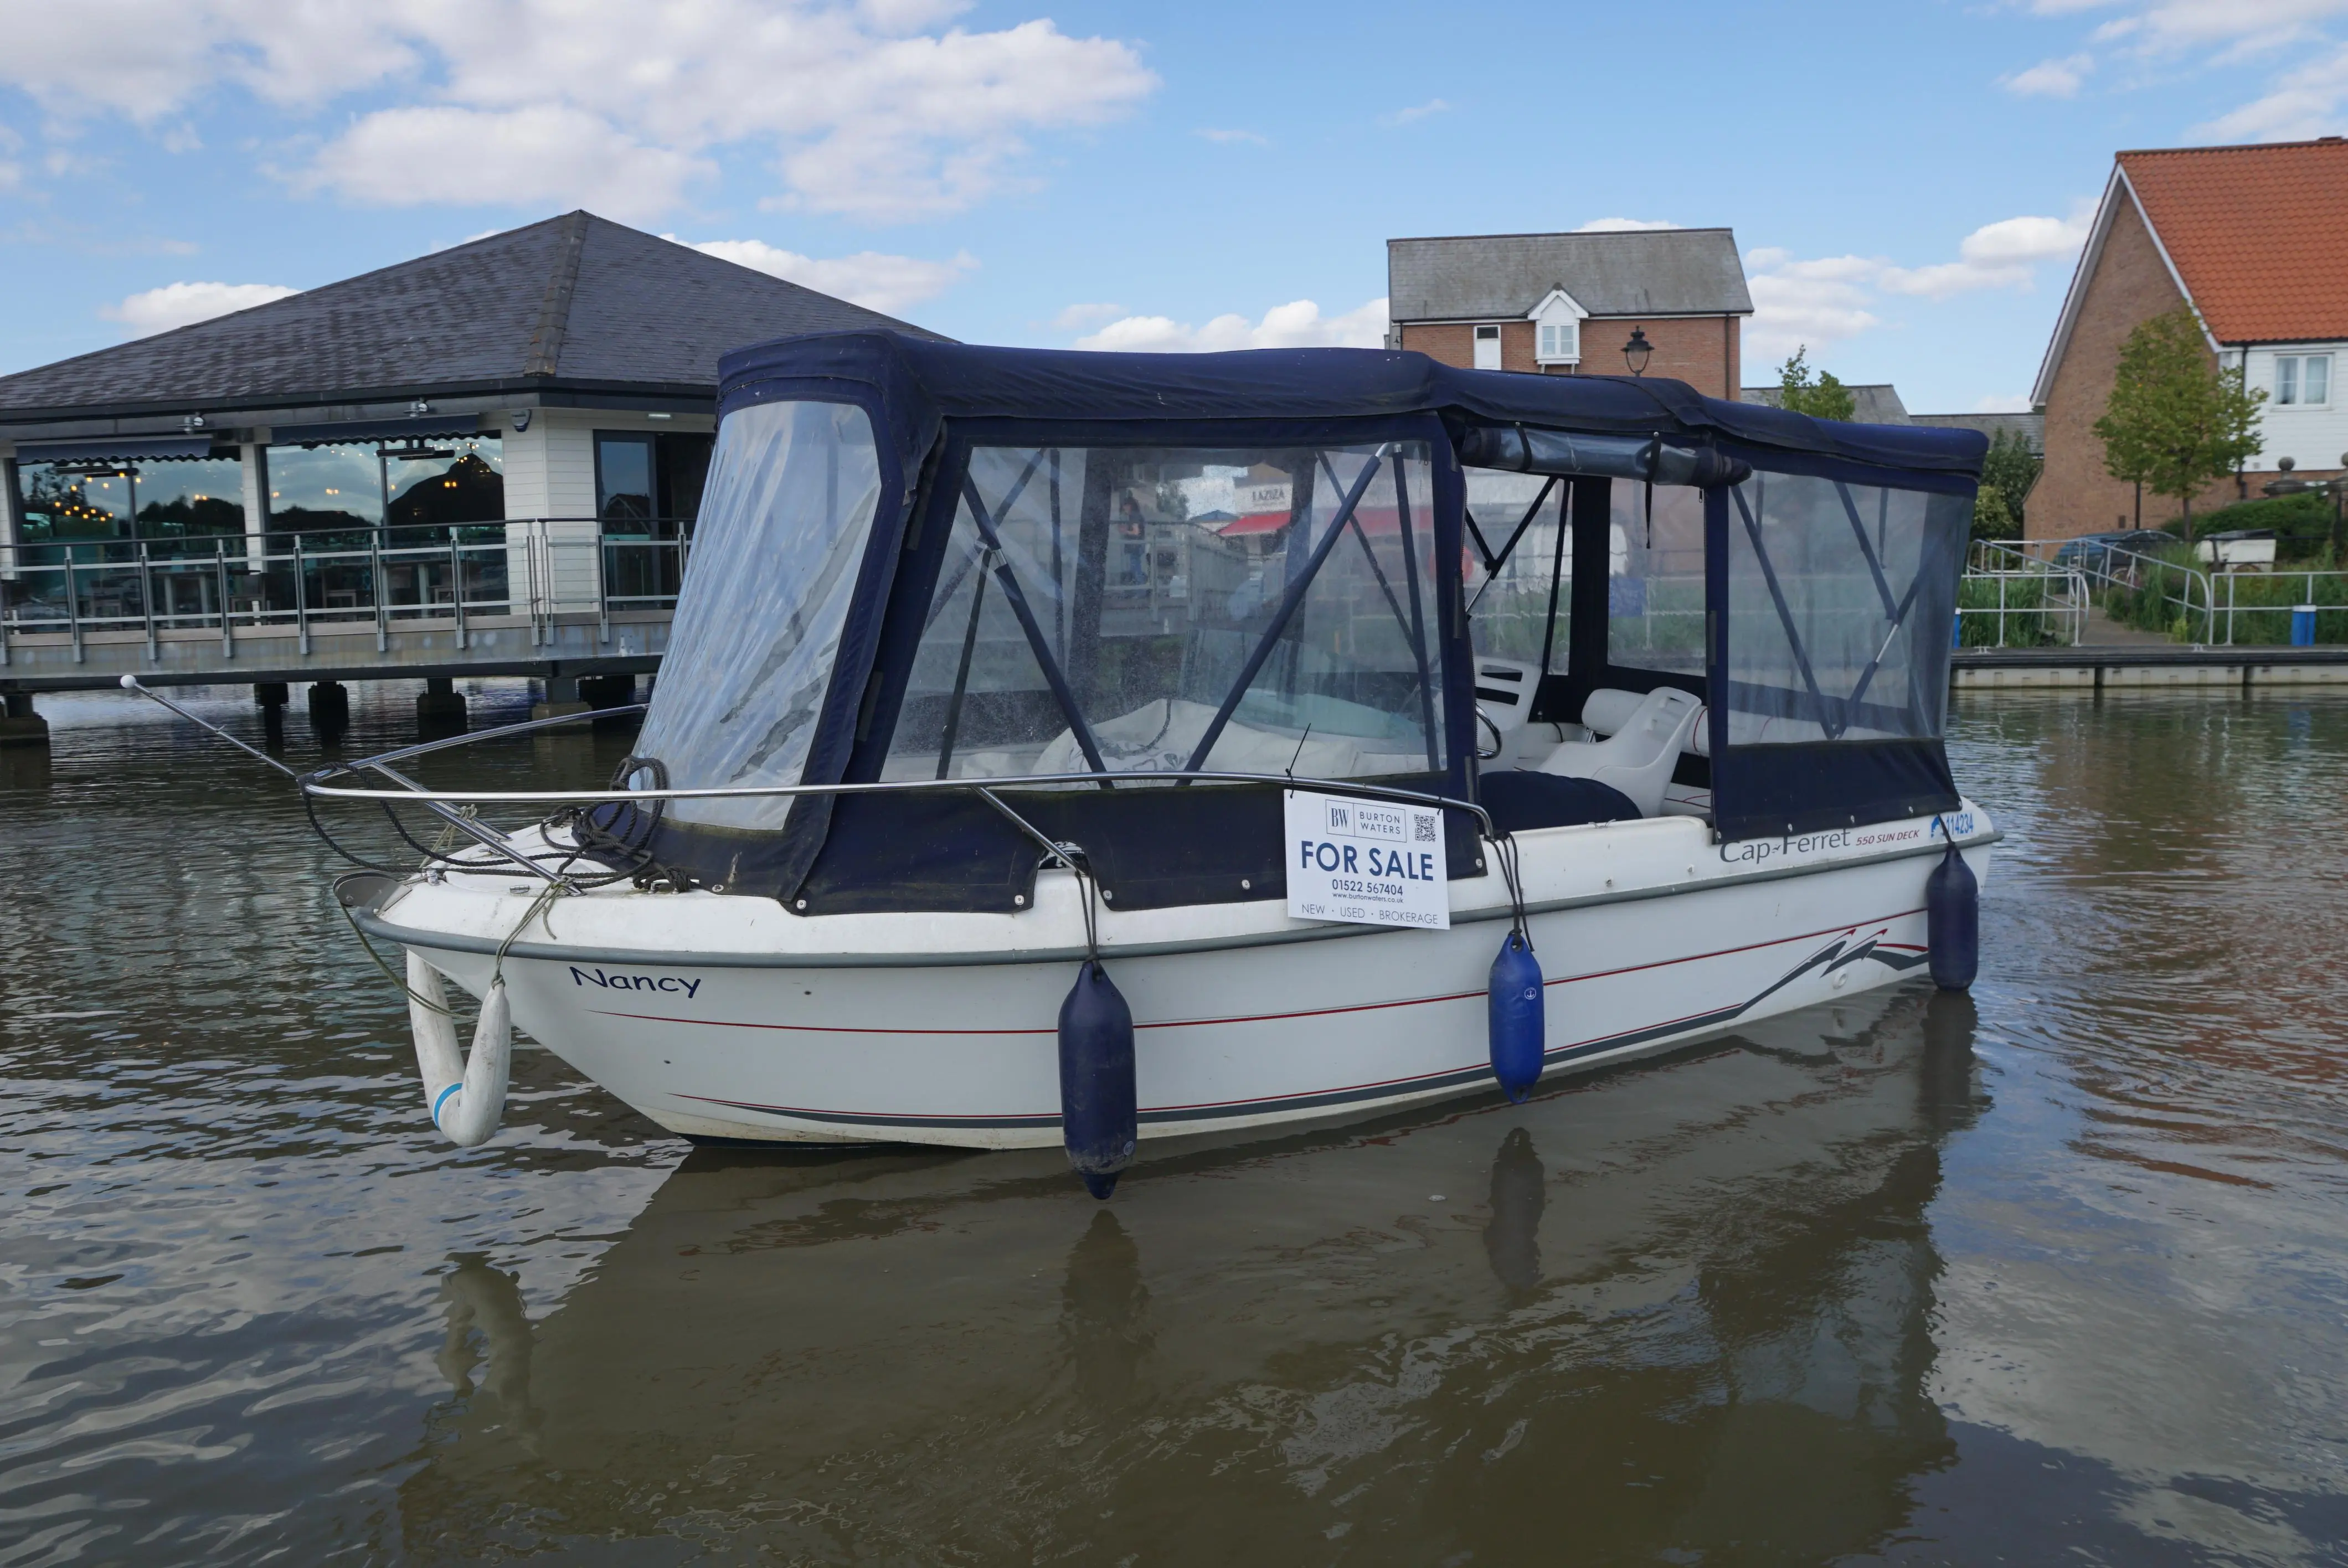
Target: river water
2054,1273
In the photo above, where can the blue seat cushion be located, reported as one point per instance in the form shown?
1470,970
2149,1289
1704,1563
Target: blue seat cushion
1520,801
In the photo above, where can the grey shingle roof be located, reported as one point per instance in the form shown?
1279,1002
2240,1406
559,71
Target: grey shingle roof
1873,402
2031,427
575,299
1626,273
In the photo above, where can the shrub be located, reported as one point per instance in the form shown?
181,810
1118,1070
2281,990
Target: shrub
2304,520
2024,591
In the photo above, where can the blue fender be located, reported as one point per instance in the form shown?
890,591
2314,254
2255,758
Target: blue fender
1099,1119
1518,1025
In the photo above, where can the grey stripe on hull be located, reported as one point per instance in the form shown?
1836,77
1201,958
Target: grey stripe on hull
1832,957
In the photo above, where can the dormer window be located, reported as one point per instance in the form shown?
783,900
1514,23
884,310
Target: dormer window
1557,335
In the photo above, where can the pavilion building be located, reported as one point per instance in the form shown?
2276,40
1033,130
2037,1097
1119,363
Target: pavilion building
563,373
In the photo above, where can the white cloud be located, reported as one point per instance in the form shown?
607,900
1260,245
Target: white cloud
2050,79
1298,325
1619,225
2003,402
890,285
2002,255
1076,318
2308,98
1814,303
181,304
1232,136
2310,101
1415,112
543,155
858,108
1828,299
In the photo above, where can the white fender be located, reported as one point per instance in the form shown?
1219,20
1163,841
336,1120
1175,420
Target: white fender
466,1093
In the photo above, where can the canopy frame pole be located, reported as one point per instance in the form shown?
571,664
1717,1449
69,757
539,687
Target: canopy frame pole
1017,598
1288,600
961,675
1874,565
1417,605
1493,563
1556,571
1826,720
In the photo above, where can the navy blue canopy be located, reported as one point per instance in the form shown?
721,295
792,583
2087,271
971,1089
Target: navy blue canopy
1810,608
919,381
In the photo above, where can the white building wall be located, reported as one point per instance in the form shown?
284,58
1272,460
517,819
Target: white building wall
553,561
2313,437
550,482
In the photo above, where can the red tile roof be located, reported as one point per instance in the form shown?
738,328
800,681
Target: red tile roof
2260,233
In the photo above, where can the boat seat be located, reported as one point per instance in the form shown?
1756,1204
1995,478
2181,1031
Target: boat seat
1505,689
1639,757
1520,801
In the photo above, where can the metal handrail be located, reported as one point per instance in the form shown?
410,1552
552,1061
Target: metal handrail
2307,595
360,562
2070,605
312,785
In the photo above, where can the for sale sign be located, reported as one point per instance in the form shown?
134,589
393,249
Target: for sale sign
1374,862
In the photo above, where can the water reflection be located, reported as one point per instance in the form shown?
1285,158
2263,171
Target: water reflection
1105,1315
1512,1235
1729,1346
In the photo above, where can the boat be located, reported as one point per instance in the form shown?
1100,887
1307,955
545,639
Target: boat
1098,748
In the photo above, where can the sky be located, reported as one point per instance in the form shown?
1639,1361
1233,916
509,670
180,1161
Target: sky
1908,180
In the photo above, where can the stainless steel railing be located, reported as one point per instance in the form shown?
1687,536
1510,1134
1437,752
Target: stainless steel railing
541,568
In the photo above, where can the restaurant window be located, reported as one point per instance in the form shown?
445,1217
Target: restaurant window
142,498
326,486
624,477
445,482
647,483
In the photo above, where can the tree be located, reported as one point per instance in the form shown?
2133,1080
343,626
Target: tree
2176,420
1822,398
1992,518
2013,467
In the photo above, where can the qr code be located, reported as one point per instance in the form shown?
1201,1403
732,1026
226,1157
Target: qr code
1422,829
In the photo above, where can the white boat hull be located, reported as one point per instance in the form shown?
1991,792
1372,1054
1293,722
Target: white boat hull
728,1018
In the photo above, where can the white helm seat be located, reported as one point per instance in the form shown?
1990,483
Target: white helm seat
1638,758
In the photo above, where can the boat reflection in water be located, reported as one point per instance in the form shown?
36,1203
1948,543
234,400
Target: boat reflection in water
1686,1306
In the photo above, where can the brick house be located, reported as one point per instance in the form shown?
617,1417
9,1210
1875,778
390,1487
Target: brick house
1564,305
2255,239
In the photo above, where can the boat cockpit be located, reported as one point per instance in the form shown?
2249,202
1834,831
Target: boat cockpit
1571,600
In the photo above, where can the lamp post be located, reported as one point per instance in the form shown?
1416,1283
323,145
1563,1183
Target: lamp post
1635,352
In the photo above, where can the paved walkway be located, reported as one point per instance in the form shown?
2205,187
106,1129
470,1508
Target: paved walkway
2102,632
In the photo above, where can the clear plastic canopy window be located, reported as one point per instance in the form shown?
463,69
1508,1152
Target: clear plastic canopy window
1836,592
792,491
1153,609
1520,518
